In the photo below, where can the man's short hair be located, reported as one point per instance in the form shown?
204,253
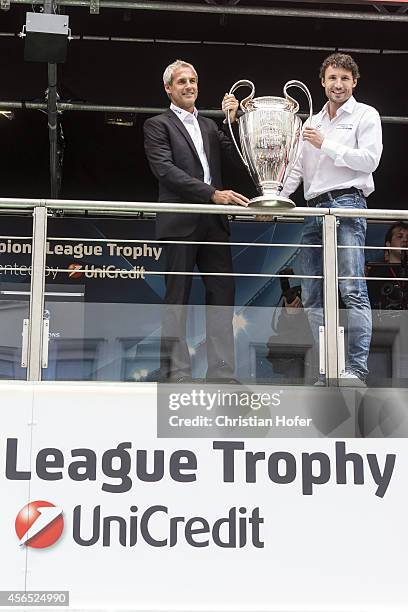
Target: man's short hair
171,68
397,225
340,60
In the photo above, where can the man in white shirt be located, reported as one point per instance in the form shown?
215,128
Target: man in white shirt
340,151
185,153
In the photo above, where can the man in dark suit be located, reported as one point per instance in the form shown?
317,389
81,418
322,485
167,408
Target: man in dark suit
185,152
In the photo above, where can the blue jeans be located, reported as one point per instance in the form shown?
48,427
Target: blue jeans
351,231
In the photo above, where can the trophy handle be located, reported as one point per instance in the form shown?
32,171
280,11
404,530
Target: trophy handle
303,87
244,83
295,142
237,85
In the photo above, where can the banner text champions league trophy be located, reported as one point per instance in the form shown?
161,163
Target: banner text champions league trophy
269,132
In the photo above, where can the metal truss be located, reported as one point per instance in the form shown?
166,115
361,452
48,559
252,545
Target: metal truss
230,9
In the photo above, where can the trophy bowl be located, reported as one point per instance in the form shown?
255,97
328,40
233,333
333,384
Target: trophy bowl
269,132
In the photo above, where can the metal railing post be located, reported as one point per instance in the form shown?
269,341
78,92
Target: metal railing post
331,302
35,336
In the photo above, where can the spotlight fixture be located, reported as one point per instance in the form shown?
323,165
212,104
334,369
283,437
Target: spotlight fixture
46,37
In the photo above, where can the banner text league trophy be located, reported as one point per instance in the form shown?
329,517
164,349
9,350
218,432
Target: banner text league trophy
269,132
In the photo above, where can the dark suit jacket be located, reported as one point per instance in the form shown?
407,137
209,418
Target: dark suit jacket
175,163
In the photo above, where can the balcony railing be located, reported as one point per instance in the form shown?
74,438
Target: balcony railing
82,286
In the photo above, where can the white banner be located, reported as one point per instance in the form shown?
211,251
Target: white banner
95,504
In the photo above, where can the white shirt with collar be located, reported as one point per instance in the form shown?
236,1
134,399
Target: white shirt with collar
350,152
191,124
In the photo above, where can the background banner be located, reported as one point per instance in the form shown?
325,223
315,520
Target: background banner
124,520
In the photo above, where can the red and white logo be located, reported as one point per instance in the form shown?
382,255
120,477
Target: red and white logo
75,270
39,524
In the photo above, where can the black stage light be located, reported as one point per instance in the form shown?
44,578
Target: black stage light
46,38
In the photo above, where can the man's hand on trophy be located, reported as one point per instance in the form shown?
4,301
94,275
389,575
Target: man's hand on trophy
227,196
230,104
313,136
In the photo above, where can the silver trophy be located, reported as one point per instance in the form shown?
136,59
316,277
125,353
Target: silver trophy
269,132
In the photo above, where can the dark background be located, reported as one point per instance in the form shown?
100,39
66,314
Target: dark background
107,162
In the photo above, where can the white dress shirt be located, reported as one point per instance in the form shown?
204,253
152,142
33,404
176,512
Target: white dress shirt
191,124
350,152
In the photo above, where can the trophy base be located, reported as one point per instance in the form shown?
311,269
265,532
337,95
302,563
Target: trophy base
272,201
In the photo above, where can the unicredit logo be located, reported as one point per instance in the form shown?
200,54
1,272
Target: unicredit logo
39,524
76,273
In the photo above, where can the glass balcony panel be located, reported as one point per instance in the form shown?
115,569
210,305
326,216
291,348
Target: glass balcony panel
383,326
381,400
387,282
105,288
15,278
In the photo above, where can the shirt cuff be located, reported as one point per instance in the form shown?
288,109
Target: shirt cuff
333,149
